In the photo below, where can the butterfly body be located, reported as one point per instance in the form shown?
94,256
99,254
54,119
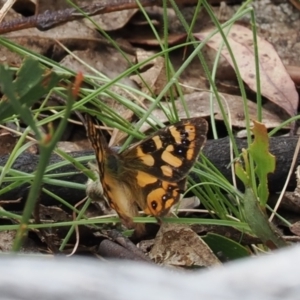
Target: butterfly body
151,174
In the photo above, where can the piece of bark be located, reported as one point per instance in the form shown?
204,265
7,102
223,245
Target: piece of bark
217,151
111,250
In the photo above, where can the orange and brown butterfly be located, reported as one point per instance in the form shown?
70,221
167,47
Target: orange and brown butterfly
149,175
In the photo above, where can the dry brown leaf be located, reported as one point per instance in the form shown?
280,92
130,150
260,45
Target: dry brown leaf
291,200
198,105
149,40
52,214
110,63
276,84
295,228
108,21
178,245
112,21
155,75
75,35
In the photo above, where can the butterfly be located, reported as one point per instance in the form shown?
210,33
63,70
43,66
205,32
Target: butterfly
149,175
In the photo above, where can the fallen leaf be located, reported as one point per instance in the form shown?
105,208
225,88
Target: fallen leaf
198,104
154,76
295,228
113,20
178,245
276,84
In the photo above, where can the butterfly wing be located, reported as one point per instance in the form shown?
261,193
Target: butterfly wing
98,143
114,190
171,152
162,162
158,196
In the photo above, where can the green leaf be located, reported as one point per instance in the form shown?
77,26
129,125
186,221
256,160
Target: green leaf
228,248
241,173
32,82
263,159
258,221
252,205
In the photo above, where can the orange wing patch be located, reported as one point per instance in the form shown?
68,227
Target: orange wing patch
163,197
